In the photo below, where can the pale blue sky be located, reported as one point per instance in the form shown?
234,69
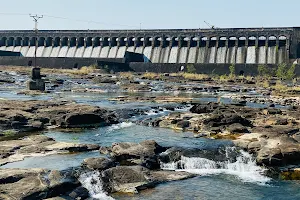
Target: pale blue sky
151,14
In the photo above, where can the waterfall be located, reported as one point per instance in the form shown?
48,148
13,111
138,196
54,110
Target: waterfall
47,52
55,52
156,54
165,55
272,55
63,52
104,52
139,50
230,58
3,48
9,48
221,54
262,55
183,51
173,55
93,183
39,51
30,52
281,54
71,52
131,49
121,52
96,52
88,52
148,52
17,49
244,167
79,52
192,55
113,52
251,55
201,55
239,55
212,51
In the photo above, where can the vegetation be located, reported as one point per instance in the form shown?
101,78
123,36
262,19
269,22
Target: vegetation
232,71
284,72
191,69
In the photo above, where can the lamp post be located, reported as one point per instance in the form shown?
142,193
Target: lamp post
35,19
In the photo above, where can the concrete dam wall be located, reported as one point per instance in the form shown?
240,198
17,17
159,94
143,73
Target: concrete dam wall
197,46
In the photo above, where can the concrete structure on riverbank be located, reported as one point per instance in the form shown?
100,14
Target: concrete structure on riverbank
197,46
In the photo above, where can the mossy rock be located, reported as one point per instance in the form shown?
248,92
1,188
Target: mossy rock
290,175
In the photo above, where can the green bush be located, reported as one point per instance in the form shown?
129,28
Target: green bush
284,72
232,71
264,71
191,69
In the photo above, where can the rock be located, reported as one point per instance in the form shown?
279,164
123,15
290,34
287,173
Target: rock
75,120
183,124
290,174
98,163
237,128
200,108
79,193
35,183
272,111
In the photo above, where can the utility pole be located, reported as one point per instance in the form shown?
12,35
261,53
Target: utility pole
36,19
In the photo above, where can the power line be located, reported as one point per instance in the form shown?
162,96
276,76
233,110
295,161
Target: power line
35,19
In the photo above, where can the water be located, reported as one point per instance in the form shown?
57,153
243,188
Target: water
221,54
240,55
47,52
63,52
173,55
165,55
211,54
40,51
3,48
282,54
251,55
79,52
96,52
104,52
55,52
71,52
113,52
156,55
10,48
230,58
183,51
139,50
201,55
131,49
262,55
121,52
272,55
30,52
88,52
148,52
192,55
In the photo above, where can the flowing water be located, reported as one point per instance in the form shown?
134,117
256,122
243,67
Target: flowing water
88,52
183,51
251,55
201,55
71,52
131,49
173,55
47,52
139,50
272,55
63,52
211,54
40,51
148,52
113,52
230,58
192,55
165,55
96,52
17,49
281,54
156,55
55,52
10,48
3,48
221,54
79,52
239,55
104,52
30,52
262,55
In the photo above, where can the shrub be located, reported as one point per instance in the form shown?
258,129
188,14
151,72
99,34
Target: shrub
285,73
191,69
232,71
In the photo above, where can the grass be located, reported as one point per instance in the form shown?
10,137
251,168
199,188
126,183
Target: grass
127,75
151,75
192,76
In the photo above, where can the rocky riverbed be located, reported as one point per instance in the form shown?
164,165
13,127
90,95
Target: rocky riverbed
123,136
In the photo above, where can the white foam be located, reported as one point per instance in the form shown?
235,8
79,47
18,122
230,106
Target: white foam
244,168
120,126
93,183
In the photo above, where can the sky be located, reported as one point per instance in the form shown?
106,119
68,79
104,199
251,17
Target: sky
148,14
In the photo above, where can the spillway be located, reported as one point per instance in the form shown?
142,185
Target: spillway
113,52
55,52
79,52
87,52
221,54
63,52
192,55
96,52
47,51
183,55
251,55
156,55
173,55
121,52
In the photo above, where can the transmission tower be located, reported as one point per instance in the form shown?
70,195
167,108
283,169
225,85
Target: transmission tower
36,19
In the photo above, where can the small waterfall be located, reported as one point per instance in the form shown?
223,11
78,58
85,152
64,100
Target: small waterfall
104,52
244,167
173,55
63,52
131,49
71,52
87,52
10,48
212,51
96,52
281,54
165,55
55,52
93,183
30,52
121,52
183,51
230,58
3,48
221,54
239,55
148,52
40,51
201,55
192,55
113,52
262,55
156,54
47,52
17,49
251,55
139,50
272,55
79,52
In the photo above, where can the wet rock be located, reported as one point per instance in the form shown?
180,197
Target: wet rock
237,128
272,111
98,163
201,108
79,193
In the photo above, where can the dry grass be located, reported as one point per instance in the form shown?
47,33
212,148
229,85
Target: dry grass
151,75
192,76
126,75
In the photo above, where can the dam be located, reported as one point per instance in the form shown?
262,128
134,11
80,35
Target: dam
180,46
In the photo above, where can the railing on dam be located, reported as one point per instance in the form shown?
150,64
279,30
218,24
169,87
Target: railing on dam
240,46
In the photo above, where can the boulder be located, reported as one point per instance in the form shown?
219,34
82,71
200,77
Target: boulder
202,108
98,163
